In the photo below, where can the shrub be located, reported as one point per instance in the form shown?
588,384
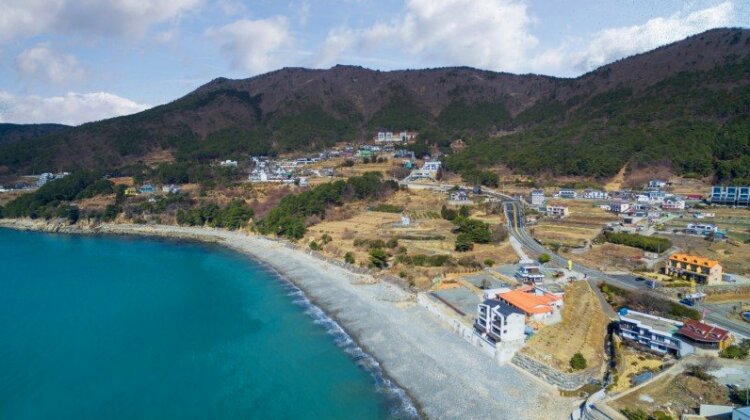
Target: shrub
578,362
464,242
379,258
464,211
635,414
314,246
349,258
646,243
544,258
476,230
489,262
699,372
388,208
326,239
733,352
448,214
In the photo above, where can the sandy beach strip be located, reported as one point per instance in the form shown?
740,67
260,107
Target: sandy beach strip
448,378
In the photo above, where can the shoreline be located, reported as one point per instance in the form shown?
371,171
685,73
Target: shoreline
443,376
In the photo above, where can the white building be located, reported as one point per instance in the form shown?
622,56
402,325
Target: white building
44,178
228,163
595,195
567,194
459,197
405,220
386,137
497,321
655,333
529,273
703,227
673,203
432,165
170,189
556,211
657,183
619,206
537,198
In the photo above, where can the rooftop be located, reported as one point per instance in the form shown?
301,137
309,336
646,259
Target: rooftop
654,322
502,307
690,259
529,302
699,331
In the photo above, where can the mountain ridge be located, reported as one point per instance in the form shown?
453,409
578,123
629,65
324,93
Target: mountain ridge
294,109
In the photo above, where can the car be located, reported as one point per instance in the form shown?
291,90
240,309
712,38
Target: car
687,302
640,279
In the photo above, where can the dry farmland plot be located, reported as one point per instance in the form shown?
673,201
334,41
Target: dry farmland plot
584,224
583,329
606,256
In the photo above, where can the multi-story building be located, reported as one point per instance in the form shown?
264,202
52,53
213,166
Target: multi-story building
595,195
673,203
702,270
497,321
619,206
529,273
556,211
732,195
537,198
567,194
656,196
652,332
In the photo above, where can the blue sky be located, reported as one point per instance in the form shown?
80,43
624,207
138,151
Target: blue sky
73,61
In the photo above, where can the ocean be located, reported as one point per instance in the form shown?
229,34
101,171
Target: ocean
134,328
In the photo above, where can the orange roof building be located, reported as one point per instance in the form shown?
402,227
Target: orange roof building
690,267
535,303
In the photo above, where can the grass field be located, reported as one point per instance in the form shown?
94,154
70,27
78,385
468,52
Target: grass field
582,329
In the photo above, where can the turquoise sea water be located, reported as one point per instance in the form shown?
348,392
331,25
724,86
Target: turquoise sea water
119,328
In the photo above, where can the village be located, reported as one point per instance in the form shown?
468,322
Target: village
664,257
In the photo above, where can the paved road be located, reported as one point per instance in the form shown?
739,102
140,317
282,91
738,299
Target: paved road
715,314
513,209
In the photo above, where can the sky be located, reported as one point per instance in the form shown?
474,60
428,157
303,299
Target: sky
74,61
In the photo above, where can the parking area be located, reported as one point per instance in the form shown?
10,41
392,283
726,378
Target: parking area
459,298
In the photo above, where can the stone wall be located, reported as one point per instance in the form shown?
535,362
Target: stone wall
564,381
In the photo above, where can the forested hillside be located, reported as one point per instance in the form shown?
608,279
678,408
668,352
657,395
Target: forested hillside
12,133
684,105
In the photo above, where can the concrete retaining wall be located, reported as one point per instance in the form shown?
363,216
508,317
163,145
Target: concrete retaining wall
564,381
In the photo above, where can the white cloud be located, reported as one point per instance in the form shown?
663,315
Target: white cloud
489,34
254,46
41,63
22,18
72,108
615,43
497,35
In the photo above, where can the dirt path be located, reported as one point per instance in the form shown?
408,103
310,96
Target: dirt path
616,183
